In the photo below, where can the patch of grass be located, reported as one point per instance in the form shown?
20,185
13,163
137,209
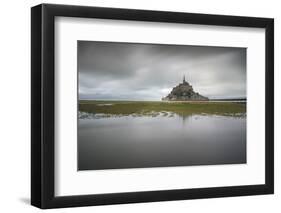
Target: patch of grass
152,107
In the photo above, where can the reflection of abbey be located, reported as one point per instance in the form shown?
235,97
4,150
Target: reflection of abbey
184,92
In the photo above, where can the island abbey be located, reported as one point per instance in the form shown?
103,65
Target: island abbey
184,92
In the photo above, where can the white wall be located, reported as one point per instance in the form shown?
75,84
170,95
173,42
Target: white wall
15,105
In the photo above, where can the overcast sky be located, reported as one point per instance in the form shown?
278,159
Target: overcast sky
130,71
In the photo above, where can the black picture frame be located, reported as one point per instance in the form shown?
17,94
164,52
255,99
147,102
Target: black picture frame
43,110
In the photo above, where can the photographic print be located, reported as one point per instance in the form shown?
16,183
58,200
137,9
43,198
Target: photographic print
158,105
114,111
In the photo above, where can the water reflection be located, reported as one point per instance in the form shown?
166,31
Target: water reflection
160,141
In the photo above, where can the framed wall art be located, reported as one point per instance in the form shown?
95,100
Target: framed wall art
138,106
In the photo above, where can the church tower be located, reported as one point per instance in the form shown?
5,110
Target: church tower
183,81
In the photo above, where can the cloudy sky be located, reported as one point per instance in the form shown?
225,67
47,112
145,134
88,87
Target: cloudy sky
130,71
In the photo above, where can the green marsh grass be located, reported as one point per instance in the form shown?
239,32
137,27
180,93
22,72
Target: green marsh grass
153,108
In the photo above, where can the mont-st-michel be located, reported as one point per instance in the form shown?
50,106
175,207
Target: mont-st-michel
159,105
184,92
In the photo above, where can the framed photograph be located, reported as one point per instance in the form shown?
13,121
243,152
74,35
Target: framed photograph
139,106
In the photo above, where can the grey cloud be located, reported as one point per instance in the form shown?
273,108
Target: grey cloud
110,70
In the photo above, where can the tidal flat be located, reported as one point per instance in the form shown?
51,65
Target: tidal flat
143,134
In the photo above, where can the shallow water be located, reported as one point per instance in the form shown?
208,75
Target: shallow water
161,141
